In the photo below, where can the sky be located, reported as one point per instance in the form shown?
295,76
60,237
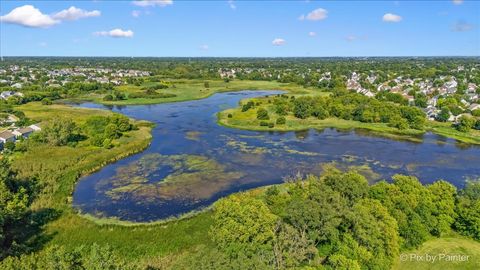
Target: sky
173,28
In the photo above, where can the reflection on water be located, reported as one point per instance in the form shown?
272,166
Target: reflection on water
192,161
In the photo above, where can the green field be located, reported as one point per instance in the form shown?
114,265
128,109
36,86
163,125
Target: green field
445,249
193,89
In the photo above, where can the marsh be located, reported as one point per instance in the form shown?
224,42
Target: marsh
192,161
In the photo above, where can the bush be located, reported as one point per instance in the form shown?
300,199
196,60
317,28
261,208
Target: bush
230,115
281,120
263,124
465,123
108,97
46,101
248,106
271,125
262,114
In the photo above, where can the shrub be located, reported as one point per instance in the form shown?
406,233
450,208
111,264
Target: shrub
271,125
46,101
263,124
108,98
281,120
262,114
230,115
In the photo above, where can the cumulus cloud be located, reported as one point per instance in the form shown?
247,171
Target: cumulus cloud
73,13
278,42
43,44
457,2
462,26
152,3
316,15
231,4
116,33
28,16
312,34
204,47
389,17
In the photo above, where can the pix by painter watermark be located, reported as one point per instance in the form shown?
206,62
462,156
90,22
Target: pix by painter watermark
432,258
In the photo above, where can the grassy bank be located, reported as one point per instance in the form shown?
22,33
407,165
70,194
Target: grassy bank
247,120
444,248
235,118
191,90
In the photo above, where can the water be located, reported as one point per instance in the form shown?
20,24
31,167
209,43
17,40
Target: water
192,161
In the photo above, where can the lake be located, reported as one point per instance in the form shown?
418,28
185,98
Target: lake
192,161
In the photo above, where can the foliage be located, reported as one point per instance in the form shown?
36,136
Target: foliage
58,132
14,203
465,123
262,114
468,210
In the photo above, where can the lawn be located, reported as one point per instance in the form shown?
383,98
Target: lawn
443,248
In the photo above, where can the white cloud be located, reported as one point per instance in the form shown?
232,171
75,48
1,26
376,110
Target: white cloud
204,47
116,33
457,2
351,38
152,3
389,17
231,4
462,26
43,44
316,15
312,34
136,13
28,16
73,13
278,42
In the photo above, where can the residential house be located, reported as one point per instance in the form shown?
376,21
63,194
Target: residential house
6,136
23,132
474,106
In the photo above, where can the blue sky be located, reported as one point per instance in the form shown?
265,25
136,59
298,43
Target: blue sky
240,28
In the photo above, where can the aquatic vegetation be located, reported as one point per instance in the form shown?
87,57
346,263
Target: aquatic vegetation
169,177
304,153
245,148
193,135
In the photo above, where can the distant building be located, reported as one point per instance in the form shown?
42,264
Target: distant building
6,136
23,132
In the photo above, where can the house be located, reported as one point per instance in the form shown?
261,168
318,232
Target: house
474,107
17,85
6,136
23,132
6,94
36,127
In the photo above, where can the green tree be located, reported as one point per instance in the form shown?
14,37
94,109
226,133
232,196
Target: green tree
468,210
243,224
465,123
14,202
262,114
58,132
